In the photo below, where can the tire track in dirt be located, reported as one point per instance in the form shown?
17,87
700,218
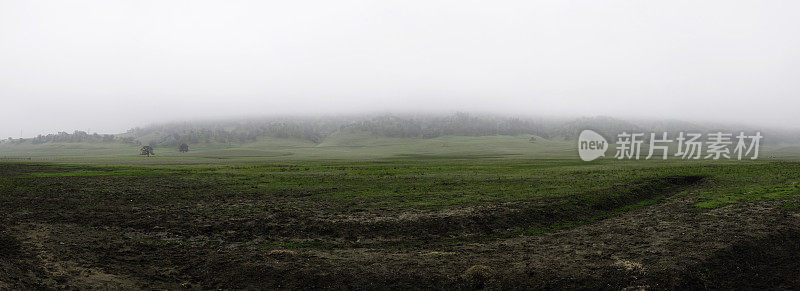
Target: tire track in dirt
655,246
662,246
61,273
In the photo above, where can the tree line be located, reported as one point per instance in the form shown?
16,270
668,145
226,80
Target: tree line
315,129
77,136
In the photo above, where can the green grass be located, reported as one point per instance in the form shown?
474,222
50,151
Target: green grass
340,145
90,173
288,205
302,189
750,182
583,192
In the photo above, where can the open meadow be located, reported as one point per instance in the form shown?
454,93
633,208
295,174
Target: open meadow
399,145
453,212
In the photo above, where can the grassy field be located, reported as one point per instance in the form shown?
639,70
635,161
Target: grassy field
337,146
453,212
341,146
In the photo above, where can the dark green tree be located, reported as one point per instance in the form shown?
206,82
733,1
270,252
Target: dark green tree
184,148
147,151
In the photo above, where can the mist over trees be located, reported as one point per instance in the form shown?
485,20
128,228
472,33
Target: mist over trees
316,129
77,136
458,124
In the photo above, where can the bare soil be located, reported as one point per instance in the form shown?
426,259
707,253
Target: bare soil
669,245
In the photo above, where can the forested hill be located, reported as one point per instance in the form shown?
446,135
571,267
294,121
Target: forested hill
316,129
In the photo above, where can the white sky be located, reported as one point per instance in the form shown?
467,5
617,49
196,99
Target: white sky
111,65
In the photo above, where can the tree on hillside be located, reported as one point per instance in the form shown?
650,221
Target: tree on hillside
147,151
184,148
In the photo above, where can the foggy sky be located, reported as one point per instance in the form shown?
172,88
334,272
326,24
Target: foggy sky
107,66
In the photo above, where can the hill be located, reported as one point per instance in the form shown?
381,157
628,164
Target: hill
359,137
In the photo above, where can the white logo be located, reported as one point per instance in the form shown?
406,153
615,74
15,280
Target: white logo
591,145
689,146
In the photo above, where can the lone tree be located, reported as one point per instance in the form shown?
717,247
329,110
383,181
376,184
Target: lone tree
147,151
183,148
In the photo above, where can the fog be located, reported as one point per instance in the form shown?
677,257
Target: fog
106,66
